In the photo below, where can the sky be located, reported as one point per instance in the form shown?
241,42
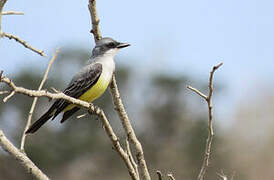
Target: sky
176,36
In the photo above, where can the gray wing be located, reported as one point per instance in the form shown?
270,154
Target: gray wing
79,85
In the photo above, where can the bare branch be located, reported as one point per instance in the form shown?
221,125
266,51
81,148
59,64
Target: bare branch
36,98
82,115
197,91
117,100
160,176
2,3
210,125
24,43
132,159
12,13
170,176
21,158
94,20
119,107
8,97
4,92
117,145
222,175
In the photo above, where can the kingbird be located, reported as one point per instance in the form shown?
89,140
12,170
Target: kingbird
88,84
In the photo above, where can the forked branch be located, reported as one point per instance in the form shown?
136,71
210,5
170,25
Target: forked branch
208,99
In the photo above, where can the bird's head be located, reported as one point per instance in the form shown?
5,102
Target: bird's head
107,46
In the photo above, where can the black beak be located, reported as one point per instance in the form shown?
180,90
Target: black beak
122,45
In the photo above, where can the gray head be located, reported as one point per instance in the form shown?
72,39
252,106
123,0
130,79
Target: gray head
107,46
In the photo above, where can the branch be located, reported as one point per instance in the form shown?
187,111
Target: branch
119,107
170,176
24,43
21,158
210,126
132,159
94,20
36,98
12,13
90,107
2,3
159,174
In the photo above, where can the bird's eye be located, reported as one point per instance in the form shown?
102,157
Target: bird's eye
111,45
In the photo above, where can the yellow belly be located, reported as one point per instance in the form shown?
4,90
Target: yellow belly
93,93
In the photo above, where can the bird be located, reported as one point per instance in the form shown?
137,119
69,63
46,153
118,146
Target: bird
88,84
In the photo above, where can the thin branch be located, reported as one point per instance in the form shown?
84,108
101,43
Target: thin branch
94,20
8,97
2,3
90,107
197,91
4,92
12,13
119,107
80,116
132,159
170,176
160,176
24,43
36,98
210,125
21,158
117,100
222,175
117,145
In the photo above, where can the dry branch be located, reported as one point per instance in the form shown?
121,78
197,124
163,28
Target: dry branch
36,98
208,99
159,174
24,43
12,13
2,3
21,158
170,176
119,107
94,20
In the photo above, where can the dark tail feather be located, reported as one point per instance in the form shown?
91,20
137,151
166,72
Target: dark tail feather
42,120
67,114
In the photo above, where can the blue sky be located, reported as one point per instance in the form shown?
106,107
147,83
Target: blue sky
171,36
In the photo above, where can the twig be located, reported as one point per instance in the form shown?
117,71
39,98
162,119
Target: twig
210,126
94,20
36,98
117,145
119,107
8,97
12,13
170,176
82,115
132,159
222,175
86,105
4,92
160,176
24,43
2,3
197,91
21,158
